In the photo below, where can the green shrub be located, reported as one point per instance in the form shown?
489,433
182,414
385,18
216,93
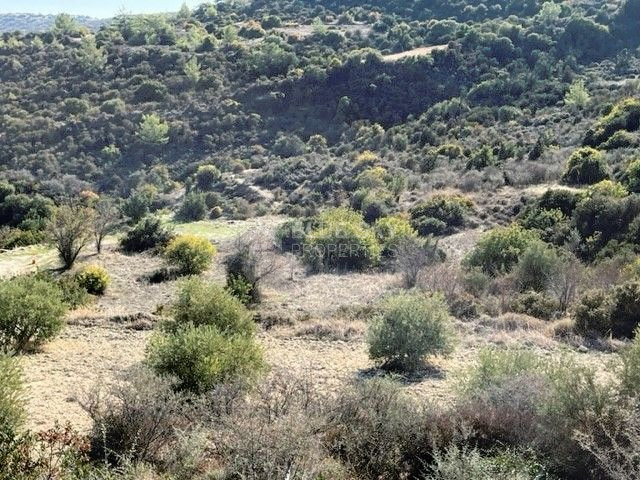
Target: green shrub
375,205
206,177
500,249
536,304
625,115
391,232
410,328
31,311
625,310
190,254
592,313
73,294
630,372
290,236
11,400
448,209
560,199
241,288
552,225
94,279
202,357
536,267
193,208
606,188
585,167
341,241
482,158
149,233
620,139
632,175
200,303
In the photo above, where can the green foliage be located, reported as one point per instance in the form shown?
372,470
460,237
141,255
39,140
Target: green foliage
202,357
11,399
207,176
191,254
89,56
241,288
290,236
577,96
150,91
536,267
450,210
606,188
625,115
150,233
615,313
592,313
482,158
536,304
204,304
193,208
31,312
630,372
70,231
410,328
552,225
632,175
153,131
192,70
391,232
342,241
94,279
585,167
500,249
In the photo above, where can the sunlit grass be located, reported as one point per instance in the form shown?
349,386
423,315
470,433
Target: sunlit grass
27,259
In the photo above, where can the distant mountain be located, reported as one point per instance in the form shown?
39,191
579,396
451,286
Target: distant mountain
30,22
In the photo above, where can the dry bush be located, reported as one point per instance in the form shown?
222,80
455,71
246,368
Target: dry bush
444,278
274,433
70,231
619,454
137,419
411,255
380,433
515,321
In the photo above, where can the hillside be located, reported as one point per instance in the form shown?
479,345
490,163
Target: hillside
29,22
321,239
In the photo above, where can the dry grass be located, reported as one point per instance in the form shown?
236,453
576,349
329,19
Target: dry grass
415,53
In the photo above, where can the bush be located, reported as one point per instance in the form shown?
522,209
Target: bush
193,208
536,304
70,232
379,432
149,233
31,311
625,115
536,267
500,249
94,279
11,401
630,373
342,241
290,236
559,199
190,254
200,303
448,209
552,225
206,177
592,313
632,175
625,310
391,232
411,327
137,420
202,357
585,167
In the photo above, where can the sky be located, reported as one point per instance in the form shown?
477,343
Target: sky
93,8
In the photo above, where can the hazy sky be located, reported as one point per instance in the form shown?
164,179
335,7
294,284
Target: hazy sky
93,8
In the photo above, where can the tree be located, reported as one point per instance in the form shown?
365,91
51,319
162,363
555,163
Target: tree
585,167
70,231
65,24
89,56
106,219
192,70
153,130
578,95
